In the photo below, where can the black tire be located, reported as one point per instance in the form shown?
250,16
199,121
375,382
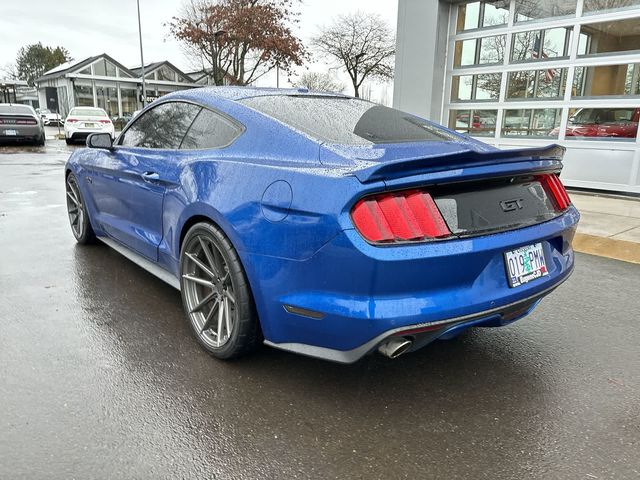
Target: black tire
40,141
77,212
245,334
68,141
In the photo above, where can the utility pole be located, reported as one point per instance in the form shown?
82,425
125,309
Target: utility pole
144,85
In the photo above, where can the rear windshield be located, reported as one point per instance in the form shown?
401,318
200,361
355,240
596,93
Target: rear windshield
88,112
346,121
19,109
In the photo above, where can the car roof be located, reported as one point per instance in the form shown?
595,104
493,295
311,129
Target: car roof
235,93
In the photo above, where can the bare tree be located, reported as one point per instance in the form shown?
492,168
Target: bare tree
362,43
319,81
240,40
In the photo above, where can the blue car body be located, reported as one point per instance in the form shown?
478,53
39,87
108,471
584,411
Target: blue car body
284,199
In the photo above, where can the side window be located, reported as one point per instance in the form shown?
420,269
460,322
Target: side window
161,127
210,130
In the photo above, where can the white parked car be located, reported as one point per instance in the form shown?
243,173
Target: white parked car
48,117
83,121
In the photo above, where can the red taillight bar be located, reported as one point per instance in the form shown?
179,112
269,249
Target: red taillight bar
71,120
552,184
406,216
104,121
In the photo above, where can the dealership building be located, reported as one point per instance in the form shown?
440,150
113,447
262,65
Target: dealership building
523,73
101,81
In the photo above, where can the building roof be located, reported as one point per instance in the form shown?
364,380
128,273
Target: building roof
75,65
155,65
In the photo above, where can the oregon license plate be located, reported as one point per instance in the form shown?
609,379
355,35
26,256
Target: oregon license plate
525,264
11,133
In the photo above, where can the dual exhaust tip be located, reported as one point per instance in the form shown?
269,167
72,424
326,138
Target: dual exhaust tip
395,346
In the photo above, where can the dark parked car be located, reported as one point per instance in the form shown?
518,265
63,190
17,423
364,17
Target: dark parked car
20,123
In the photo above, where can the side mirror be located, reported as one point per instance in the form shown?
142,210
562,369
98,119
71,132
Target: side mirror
100,140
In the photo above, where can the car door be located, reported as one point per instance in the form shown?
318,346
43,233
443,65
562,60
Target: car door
128,183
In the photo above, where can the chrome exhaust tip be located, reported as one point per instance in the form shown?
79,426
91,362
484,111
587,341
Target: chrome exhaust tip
395,346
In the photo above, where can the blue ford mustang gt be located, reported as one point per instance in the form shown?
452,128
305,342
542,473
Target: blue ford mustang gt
323,224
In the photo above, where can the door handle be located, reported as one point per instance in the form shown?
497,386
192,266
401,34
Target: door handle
150,176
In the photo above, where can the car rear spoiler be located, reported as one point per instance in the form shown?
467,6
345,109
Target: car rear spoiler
471,158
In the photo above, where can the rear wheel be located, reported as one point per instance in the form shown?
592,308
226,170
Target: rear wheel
216,295
77,211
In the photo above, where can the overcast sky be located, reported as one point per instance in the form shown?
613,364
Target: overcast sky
89,27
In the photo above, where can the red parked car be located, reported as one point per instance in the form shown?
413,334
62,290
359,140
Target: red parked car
603,122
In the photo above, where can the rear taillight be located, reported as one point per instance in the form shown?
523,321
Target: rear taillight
407,216
105,121
71,120
553,186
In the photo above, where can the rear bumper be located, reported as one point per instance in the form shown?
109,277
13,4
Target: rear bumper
362,294
23,133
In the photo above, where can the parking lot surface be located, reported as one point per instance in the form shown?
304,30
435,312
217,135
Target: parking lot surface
100,378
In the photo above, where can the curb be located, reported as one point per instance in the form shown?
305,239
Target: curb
607,247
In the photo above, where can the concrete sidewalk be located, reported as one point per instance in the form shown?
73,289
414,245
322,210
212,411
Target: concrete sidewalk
609,227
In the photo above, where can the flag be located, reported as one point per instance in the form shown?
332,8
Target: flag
538,52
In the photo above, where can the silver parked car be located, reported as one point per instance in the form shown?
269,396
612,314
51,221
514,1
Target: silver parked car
20,123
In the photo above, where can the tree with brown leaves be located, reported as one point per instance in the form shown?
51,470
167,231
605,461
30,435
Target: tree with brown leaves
362,43
239,41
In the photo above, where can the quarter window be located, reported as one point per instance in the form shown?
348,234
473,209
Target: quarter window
210,130
161,127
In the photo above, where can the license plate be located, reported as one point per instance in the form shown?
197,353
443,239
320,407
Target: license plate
525,264
12,133
90,125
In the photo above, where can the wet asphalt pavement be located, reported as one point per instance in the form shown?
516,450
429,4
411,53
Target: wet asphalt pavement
100,378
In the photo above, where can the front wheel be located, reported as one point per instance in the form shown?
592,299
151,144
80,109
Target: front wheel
77,211
216,295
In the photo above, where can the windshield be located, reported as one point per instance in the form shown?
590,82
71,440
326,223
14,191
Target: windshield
346,121
88,112
19,109
592,116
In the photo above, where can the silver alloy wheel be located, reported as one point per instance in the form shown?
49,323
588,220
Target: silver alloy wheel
208,291
75,208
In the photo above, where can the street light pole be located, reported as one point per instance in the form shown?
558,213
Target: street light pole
144,85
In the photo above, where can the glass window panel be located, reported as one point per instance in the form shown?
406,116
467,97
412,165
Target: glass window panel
86,71
583,44
83,95
616,123
468,16
495,13
122,73
110,69
539,122
487,86
611,37
165,74
210,130
479,123
476,87
99,68
163,126
527,10
537,83
540,44
107,98
129,98
600,5
492,49
461,87
465,53
606,80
